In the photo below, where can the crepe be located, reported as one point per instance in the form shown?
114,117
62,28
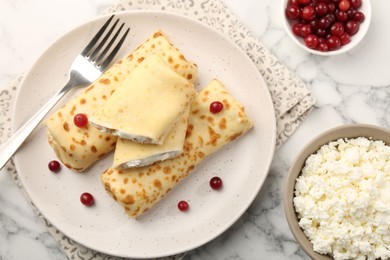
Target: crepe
131,154
78,148
147,104
138,189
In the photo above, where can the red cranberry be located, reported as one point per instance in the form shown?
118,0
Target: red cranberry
359,17
331,8
183,205
293,12
80,120
324,23
54,166
321,9
87,199
311,41
321,32
305,30
304,2
341,16
337,29
345,38
308,13
332,18
351,27
323,47
333,43
215,183
297,29
355,3
351,13
294,2
313,25
216,107
344,5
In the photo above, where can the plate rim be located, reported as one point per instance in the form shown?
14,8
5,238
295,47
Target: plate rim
160,13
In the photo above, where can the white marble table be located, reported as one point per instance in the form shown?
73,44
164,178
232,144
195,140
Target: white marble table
350,88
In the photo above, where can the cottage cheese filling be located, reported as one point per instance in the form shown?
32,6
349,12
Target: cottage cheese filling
342,198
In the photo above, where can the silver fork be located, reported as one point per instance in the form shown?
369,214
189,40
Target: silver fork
86,68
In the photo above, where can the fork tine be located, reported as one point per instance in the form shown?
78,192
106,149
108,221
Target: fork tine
96,37
104,52
94,54
111,56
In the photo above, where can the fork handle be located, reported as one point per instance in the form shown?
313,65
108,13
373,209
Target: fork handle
12,144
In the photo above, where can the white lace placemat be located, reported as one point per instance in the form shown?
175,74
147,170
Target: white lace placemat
292,100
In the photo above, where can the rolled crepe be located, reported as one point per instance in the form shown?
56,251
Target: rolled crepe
147,104
78,148
138,189
131,154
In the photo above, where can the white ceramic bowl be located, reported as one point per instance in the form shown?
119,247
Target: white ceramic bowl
355,39
345,131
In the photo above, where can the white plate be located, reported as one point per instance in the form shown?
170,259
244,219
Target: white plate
243,165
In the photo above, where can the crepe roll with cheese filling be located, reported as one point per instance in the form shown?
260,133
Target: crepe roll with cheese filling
138,189
77,147
131,154
147,104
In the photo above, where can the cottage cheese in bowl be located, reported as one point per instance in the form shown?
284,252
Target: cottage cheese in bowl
342,199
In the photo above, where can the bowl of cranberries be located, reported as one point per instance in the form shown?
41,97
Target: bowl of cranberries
326,27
